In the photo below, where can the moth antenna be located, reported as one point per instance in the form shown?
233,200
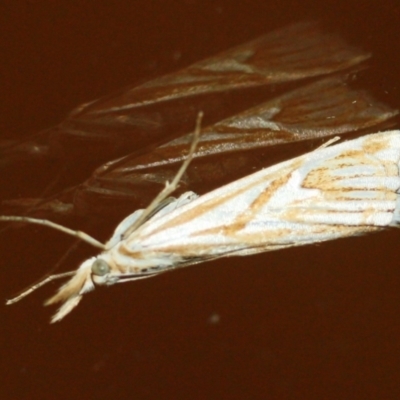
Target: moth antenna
78,234
170,187
38,285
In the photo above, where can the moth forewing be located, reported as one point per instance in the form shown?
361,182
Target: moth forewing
338,191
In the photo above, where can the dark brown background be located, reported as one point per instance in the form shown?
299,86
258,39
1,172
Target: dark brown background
319,322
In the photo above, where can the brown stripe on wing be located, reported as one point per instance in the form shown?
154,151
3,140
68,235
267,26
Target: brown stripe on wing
218,200
252,243
375,143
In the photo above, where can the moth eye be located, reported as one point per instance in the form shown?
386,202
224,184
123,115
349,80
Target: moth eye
100,267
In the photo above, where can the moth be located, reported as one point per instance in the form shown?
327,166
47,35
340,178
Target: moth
123,147
290,85
346,189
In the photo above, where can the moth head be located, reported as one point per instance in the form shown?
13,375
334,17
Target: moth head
92,272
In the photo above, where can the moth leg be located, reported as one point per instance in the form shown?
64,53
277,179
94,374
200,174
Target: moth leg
79,234
328,143
169,187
